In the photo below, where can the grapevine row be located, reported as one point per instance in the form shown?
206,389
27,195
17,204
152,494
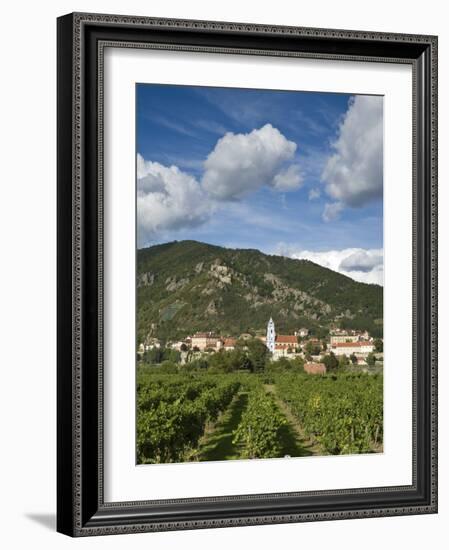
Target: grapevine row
344,414
168,429
259,429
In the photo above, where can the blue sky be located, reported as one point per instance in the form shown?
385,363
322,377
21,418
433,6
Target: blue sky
293,173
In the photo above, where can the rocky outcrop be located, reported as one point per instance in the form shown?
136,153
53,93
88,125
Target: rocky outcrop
172,284
145,279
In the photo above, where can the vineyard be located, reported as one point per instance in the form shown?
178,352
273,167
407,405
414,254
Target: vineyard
199,416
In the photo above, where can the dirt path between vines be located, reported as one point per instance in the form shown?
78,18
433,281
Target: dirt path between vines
217,443
310,447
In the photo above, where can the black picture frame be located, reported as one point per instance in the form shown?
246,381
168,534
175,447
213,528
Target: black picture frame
81,510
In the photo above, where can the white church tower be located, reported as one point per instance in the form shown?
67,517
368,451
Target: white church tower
271,336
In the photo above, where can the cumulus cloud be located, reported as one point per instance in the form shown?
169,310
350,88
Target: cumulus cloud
353,174
362,260
332,211
314,194
241,163
363,265
167,199
288,179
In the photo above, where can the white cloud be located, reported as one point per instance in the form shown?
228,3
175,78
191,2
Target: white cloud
362,260
332,211
288,179
363,265
241,163
167,199
314,194
353,175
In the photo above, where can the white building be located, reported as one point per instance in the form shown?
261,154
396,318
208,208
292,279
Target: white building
205,340
349,348
271,336
343,338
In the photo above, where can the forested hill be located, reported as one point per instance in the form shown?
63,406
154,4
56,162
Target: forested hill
189,286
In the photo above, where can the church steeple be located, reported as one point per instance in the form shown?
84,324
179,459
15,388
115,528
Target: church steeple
271,335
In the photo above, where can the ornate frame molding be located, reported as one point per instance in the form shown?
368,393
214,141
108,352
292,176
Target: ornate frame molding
81,42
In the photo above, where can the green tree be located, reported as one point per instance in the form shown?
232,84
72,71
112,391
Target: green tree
238,360
330,361
312,348
353,359
258,354
379,345
343,361
172,355
308,348
371,359
199,363
154,356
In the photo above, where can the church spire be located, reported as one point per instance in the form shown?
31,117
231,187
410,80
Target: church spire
271,335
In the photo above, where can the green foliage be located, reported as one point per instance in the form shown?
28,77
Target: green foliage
312,349
156,356
344,412
183,285
168,367
371,359
379,345
172,413
284,364
330,361
341,412
258,431
199,363
258,354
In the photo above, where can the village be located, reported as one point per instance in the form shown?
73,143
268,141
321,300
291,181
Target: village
353,347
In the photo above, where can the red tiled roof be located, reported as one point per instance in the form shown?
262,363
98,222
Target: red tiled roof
351,344
286,339
229,341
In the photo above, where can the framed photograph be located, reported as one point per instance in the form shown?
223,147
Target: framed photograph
247,279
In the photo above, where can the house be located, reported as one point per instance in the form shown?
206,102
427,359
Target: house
315,368
229,343
302,332
343,338
349,348
285,341
205,340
